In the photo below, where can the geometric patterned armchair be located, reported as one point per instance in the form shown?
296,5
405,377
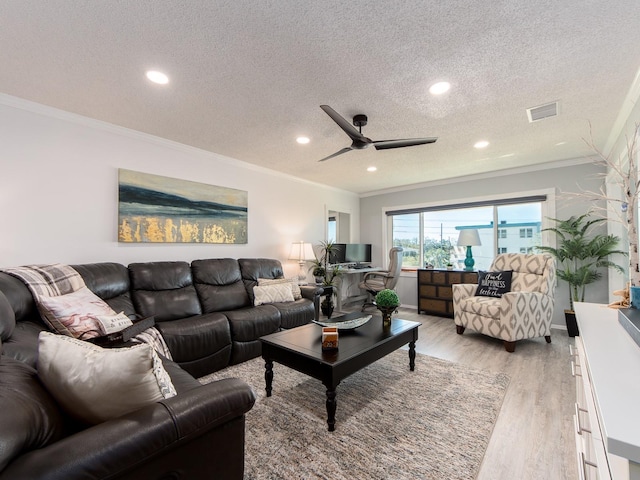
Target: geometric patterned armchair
524,312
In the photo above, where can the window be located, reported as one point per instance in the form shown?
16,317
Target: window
332,229
526,233
429,236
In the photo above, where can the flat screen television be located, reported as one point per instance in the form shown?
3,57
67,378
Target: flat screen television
358,253
338,255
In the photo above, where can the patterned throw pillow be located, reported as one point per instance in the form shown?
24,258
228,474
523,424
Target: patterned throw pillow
279,292
295,288
96,384
494,284
75,314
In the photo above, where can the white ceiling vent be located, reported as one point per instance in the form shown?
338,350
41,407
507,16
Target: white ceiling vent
542,111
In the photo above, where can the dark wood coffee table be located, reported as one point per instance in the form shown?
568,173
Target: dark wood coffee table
300,348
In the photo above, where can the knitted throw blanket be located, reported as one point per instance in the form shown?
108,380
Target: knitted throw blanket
57,279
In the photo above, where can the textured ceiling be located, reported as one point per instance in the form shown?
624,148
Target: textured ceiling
247,77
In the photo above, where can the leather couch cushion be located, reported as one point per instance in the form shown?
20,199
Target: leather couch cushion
254,322
7,318
109,281
23,344
164,289
295,314
160,275
19,298
96,384
29,417
254,269
196,337
219,284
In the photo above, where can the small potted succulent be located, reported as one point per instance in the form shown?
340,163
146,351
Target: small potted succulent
387,301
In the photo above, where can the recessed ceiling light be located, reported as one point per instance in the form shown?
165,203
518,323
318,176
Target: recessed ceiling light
481,144
371,169
439,88
303,140
157,77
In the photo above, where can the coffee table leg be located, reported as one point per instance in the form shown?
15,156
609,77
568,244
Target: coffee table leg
412,356
268,376
332,404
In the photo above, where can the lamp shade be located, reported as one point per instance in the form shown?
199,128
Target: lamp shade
301,252
469,237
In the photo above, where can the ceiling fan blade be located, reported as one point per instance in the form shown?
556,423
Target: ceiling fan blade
407,142
345,125
339,152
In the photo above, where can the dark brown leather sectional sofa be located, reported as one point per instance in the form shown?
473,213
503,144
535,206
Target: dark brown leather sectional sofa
205,313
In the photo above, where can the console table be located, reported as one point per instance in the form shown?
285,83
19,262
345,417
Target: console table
606,365
435,292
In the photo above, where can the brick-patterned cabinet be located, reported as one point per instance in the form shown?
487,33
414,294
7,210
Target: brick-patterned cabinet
434,289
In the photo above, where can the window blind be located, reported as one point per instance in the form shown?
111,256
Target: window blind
487,203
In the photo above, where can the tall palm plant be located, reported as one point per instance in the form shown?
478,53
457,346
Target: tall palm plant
581,254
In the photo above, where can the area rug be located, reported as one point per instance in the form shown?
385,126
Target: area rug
391,423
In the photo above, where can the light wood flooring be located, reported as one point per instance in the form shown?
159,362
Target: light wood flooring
533,437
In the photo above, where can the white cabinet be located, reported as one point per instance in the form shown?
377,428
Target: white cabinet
606,365
591,456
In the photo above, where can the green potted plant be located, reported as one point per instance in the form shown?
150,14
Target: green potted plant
317,270
580,255
327,274
387,301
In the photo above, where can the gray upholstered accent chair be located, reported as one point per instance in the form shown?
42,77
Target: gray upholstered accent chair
524,312
373,282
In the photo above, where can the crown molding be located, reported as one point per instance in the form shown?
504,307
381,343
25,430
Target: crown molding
52,112
481,176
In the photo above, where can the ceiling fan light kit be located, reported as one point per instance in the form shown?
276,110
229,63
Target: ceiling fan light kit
359,141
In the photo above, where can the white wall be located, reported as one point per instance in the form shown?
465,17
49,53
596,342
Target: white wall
561,178
617,150
59,192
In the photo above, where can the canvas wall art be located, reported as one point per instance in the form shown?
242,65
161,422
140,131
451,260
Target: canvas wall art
152,208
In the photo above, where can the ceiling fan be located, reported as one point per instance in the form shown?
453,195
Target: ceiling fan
359,141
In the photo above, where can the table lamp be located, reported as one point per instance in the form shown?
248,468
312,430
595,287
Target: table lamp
469,238
301,252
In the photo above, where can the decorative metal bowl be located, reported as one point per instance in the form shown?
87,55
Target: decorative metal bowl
344,324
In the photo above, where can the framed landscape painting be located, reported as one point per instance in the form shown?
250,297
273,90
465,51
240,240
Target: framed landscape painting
152,208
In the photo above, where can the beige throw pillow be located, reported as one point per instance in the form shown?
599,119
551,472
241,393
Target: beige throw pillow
96,384
279,292
295,288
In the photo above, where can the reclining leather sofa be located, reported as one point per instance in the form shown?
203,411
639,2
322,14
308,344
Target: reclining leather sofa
205,313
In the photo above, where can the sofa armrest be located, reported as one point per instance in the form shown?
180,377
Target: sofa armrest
310,292
522,313
463,290
313,293
116,448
